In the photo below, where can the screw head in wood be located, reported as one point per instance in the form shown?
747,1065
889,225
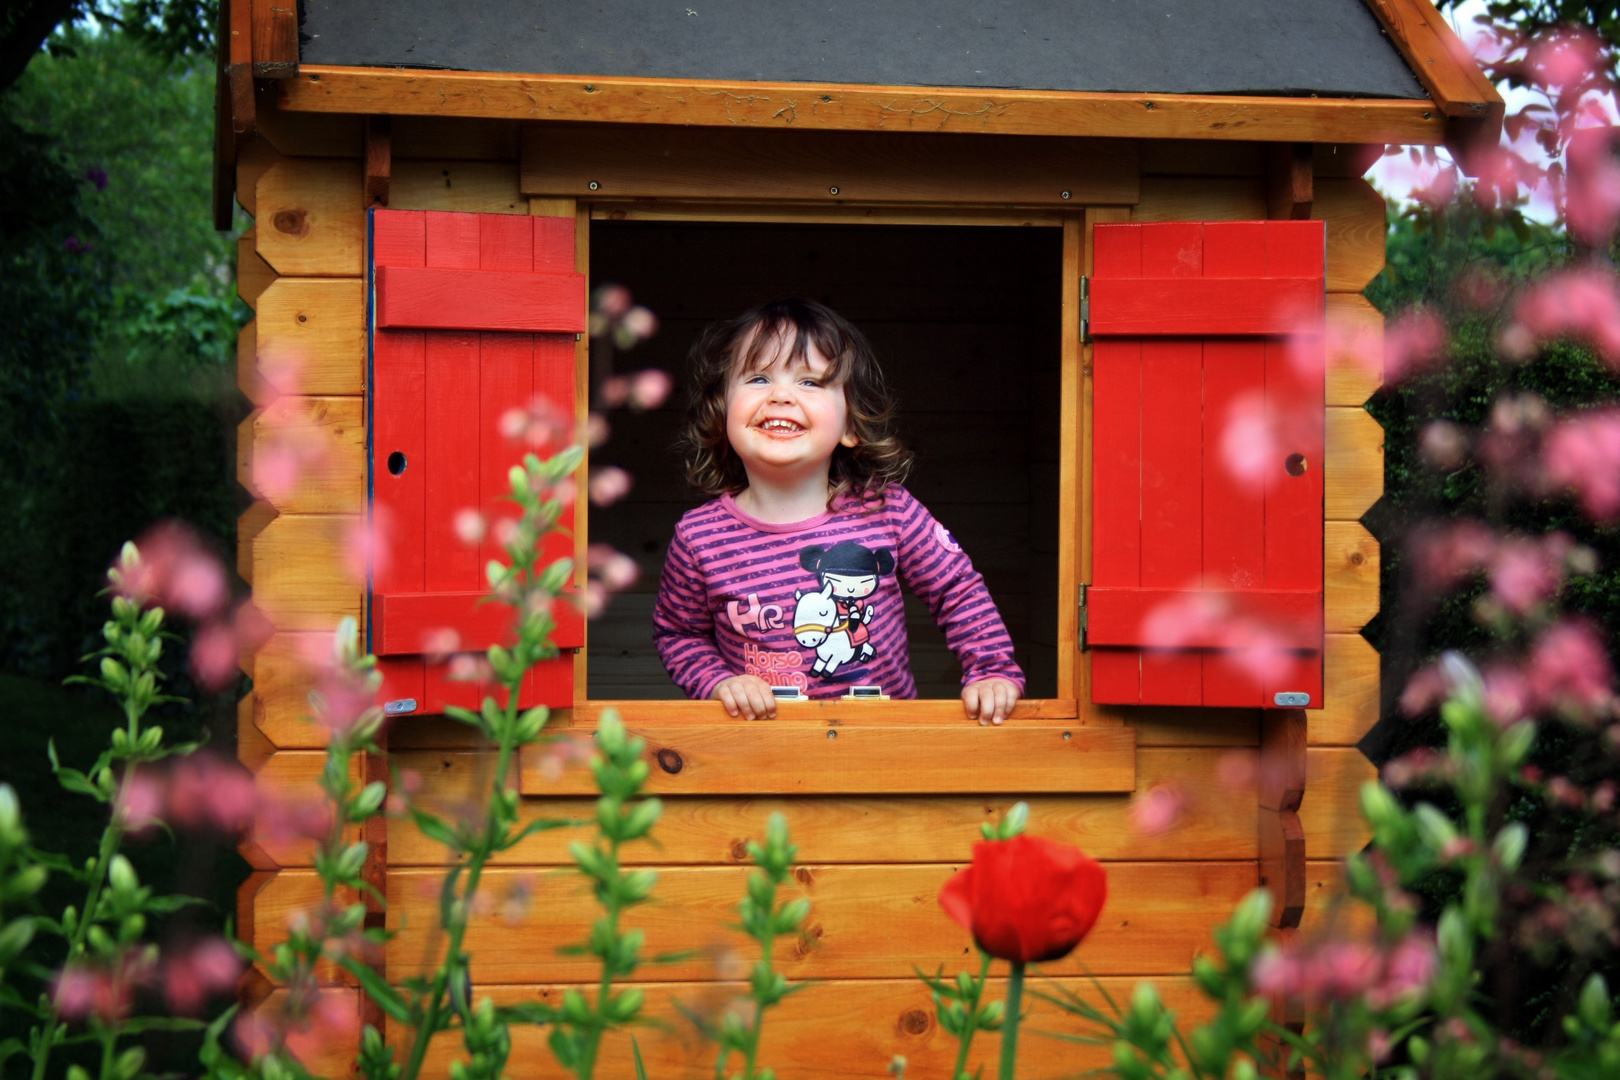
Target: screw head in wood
1065,194
594,185
833,190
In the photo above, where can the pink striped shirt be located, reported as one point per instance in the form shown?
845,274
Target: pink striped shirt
816,604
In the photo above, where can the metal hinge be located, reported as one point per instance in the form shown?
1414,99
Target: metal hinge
1085,313
1081,639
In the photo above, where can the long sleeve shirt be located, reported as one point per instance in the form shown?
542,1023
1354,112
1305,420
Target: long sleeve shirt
816,604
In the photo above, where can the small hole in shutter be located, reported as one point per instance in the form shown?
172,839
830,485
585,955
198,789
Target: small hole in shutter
396,463
1295,464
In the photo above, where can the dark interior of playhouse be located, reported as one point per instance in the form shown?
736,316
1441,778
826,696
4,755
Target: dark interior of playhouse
965,323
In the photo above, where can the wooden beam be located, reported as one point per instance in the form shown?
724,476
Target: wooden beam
1289,181
275,39
630,161
1282,865
801,106
1281,784
379,159
1052,712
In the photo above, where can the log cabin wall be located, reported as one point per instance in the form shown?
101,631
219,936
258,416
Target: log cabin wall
873,863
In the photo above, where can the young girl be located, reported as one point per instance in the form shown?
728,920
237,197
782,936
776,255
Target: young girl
791,577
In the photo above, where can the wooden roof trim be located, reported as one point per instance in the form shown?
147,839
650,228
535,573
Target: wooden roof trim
1448,73
834,107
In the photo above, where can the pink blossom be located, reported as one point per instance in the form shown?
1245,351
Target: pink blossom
469,667
597,430
1423,691
514,424
438,644
611,300
1565,58
210,792
1444,445
1157,810
341,697
651,386
609,485
1344,969
367,546
140,799
1415,767
470,527
1413,343
1236,769
1592,186
287,815
1446,555
1575,303
282,370
213,656
177,571
616,570
593,598
102,990
1582,455
1355,343
1568,669
639,324
506,532
1507,694
1410,968
191,975
1249,445
1525,572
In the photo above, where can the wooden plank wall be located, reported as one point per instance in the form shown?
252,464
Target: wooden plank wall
964,323
875,914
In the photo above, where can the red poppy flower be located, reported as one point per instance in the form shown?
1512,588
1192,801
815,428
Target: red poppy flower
1027,899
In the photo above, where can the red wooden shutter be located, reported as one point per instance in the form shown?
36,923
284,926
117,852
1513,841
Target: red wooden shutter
473,315
1207,464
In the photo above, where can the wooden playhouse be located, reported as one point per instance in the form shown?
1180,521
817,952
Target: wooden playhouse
1083,238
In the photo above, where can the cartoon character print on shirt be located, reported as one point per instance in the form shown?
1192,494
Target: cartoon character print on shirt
835,619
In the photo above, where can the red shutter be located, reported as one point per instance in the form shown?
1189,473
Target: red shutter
1207,476
473,314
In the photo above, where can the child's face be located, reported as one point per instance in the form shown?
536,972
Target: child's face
854,586
784,420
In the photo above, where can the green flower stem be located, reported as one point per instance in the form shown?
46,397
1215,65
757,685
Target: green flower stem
1009,1027
973,1012
604,992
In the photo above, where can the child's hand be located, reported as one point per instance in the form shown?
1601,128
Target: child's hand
750,696
989,701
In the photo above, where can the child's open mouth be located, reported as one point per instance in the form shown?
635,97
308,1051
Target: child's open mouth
780,427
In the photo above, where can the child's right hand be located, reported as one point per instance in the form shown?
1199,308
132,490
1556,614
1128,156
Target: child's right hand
746,695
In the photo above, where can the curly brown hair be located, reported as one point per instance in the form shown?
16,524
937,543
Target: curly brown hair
745,343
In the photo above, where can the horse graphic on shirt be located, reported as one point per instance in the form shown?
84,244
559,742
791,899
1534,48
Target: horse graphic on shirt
846,573
819,624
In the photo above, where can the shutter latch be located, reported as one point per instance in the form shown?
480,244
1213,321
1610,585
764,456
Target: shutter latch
1080,640
1085,314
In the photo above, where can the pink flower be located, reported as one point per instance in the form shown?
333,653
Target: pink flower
440,643
1444,445
609,485
1409,969
469,667
1413,343
611,300
1249,446
366,546
140,799
285,815
341,697
1568,669
195,973
1446,555
616,570
1526,572
207,792
1565,58
1507,694
1592,186
177,571
102,990
1156,811
213,656
1575,303
1582,455
470,526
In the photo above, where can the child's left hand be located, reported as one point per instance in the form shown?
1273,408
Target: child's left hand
990,701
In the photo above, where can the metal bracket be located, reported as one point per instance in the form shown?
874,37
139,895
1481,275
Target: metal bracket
1085,310
1080,641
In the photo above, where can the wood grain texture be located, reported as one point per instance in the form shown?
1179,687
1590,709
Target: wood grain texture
637,161
1354,212
1354,477
791,214
1218,824
1282,865
326,439
253,274
299,580
252,748
1289,181
1350,564
248,526
1181,198
253,387
1355,360
1351,694
311,218
1438,58
1048,711
293,134
1158,725
456,138
857,108
474,187
288,778
783,756
875,1020
1199,157
311,336
1331,810
379,136
275,39
1281,779
1327,908
866,921
1070,512
283,676
253,158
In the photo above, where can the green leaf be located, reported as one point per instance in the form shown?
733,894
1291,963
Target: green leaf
635,1053
378,989
435,828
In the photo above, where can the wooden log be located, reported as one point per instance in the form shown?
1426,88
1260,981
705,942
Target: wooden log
1327,908
1355,362
327,1048
248,526
253,274
308,135
1354,470
326,436
1289,181
283,675
1350,578
899,109
456,138
1050,712
862,214
1345,159
472,187
1282,865
1200,157
275,39
379,159
252,748
875,1020
288,778
1159,725
1350,708
819,759
253,387
1355,216
236,16
636,161
1218,822
299,576
253,158
1441,62
1331,811
311,222
312,336
1179,198
278,896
